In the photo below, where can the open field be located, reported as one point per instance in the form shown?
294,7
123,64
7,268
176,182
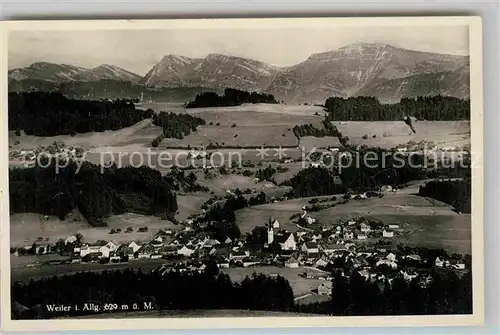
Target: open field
25,228
299,285
25,274
423,222
391,133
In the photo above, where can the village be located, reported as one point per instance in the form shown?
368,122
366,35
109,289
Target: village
360,245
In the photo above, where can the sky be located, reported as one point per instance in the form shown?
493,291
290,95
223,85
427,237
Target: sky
139,50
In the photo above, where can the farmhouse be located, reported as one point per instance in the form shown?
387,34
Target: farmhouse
322,261
349,235
275,224
394,226
238,256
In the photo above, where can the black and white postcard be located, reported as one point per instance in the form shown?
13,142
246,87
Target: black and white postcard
210,173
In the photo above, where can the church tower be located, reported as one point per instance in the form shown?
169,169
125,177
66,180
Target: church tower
270,231
270,235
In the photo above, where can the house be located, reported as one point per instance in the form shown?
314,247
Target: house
42,249
156,256
237,256
185,251
114,257
409,275
90,249
228,240
457,264
310,248
351,222
125,251
310,220
135,247
211,243
387,233
362,237
112,246
387,262
416,258
331,248
291,263
440,263
322,261
364,228
316,238
168,250
393,226
349,235
275,224
145,252
222,263
364,273
392,257
287,241
325,288
70,239
248,261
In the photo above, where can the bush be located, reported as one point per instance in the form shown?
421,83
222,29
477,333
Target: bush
365,137
233,125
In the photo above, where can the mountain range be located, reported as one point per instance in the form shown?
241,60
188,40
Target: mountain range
381,70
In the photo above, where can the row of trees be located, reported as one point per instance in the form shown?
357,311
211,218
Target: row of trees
94,193
445,293
454,192
440,108
170,291
442,293
177,125
231,97
51,114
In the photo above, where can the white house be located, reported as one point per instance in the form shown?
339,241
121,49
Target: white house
112,246
276,224
287,241
393,226
321,262
387,233
392,257
228,241
185,251
351,222
135,247
362,237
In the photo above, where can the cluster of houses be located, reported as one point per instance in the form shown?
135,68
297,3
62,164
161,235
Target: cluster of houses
28,157
326,248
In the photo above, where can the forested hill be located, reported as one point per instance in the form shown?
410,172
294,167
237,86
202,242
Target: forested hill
51,114
96,195
231,97
439,108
